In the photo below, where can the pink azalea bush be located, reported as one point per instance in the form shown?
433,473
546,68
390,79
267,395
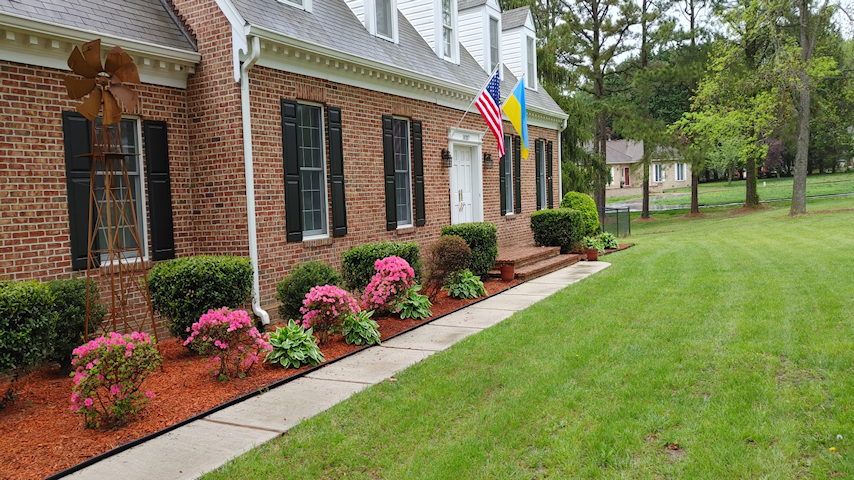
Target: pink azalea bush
325,307
394,276
230,341
108,376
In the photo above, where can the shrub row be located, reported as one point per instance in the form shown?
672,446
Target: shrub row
558,227
482,239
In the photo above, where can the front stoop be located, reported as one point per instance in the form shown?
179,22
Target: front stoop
532,262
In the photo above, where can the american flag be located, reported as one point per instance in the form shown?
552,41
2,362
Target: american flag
489,104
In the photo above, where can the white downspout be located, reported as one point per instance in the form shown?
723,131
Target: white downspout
253,54
560,164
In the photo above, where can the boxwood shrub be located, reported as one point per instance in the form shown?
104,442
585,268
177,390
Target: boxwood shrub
358,262
482,238
292,289
558,227
70,305
184,289
586,206
27,325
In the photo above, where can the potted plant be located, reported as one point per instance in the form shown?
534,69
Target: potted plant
594,247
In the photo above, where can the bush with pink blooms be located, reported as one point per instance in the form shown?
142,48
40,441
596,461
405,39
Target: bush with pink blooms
229,340
325,307
108,377
394,276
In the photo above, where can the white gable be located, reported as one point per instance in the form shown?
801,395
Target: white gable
514,41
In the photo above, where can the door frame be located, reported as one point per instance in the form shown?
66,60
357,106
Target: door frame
627,172
469,138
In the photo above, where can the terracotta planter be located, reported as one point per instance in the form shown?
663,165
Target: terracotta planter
508,273
592,254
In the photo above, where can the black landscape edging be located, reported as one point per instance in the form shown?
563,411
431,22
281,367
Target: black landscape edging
235,401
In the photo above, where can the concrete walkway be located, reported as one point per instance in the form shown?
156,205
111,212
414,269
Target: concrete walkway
204,445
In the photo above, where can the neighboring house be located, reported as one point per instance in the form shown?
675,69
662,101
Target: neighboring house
624,160
285,130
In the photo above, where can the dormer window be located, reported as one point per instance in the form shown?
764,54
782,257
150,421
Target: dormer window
385,18
301,4
531,77
447,30
493,43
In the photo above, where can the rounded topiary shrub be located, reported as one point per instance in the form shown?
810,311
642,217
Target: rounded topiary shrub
184,289
358,262
482,238
558,227
70,306
291,291
27,324
586,206
448,255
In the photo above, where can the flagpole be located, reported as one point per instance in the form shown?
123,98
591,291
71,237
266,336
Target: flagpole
478,93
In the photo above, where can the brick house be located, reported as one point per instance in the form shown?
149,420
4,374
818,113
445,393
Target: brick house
285,130
623,158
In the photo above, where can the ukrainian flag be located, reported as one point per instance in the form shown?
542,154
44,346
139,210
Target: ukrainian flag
514,108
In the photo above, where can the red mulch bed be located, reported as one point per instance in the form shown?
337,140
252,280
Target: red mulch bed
623,246
39,435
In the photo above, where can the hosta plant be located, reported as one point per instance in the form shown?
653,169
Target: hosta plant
229,340
324,308
594,243
413,305
609,240
464,284
393,277
108,377
360,329
294,346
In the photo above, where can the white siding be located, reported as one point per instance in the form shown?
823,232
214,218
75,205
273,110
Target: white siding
421,15
473,35
358,8
511,46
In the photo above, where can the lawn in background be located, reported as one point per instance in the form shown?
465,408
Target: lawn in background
720,347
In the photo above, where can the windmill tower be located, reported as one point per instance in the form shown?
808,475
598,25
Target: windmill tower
114,247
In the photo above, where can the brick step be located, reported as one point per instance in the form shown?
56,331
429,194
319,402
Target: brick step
524,256
548,265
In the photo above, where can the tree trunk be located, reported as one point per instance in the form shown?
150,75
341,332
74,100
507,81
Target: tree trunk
729,171
752,197
645,209
799,185
695,184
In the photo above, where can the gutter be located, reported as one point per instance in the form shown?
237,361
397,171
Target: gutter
252,56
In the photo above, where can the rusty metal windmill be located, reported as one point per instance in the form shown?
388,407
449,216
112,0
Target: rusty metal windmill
114,246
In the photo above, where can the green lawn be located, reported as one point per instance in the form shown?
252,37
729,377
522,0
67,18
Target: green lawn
731,336
769,189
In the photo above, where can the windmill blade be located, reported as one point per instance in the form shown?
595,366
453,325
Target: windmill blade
92,54
78,64
127,95
79,87
115,59
127,73
112,111
91,106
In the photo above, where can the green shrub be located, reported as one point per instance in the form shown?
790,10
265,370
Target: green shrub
291,291
360,329
450,254
294,346
413,305
465,284
184,289
483,241
609,240
27,325
70,306
358,262
557,227
594,243
584,204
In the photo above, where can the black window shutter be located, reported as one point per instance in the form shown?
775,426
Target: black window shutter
77,132
290,154
388,164
550,174
538,154
159,190
418,166
502,174
336,168
517,173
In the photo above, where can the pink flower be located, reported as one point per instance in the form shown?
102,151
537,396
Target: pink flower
149,394
115,390
88,402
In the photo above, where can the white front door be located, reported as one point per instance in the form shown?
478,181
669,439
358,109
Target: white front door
462,210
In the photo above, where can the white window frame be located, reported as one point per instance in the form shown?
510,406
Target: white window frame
141,206
300,4
680,169
371,20
658,172
440,40
541,180
530,61
490,20
509,185
409,165
325,193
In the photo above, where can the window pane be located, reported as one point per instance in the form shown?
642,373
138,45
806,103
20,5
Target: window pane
508,174
384,17
402,186
493,43
310,148
530,62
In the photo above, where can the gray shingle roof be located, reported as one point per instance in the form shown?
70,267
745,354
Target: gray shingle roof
333,25
140,20
514,18
466,4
